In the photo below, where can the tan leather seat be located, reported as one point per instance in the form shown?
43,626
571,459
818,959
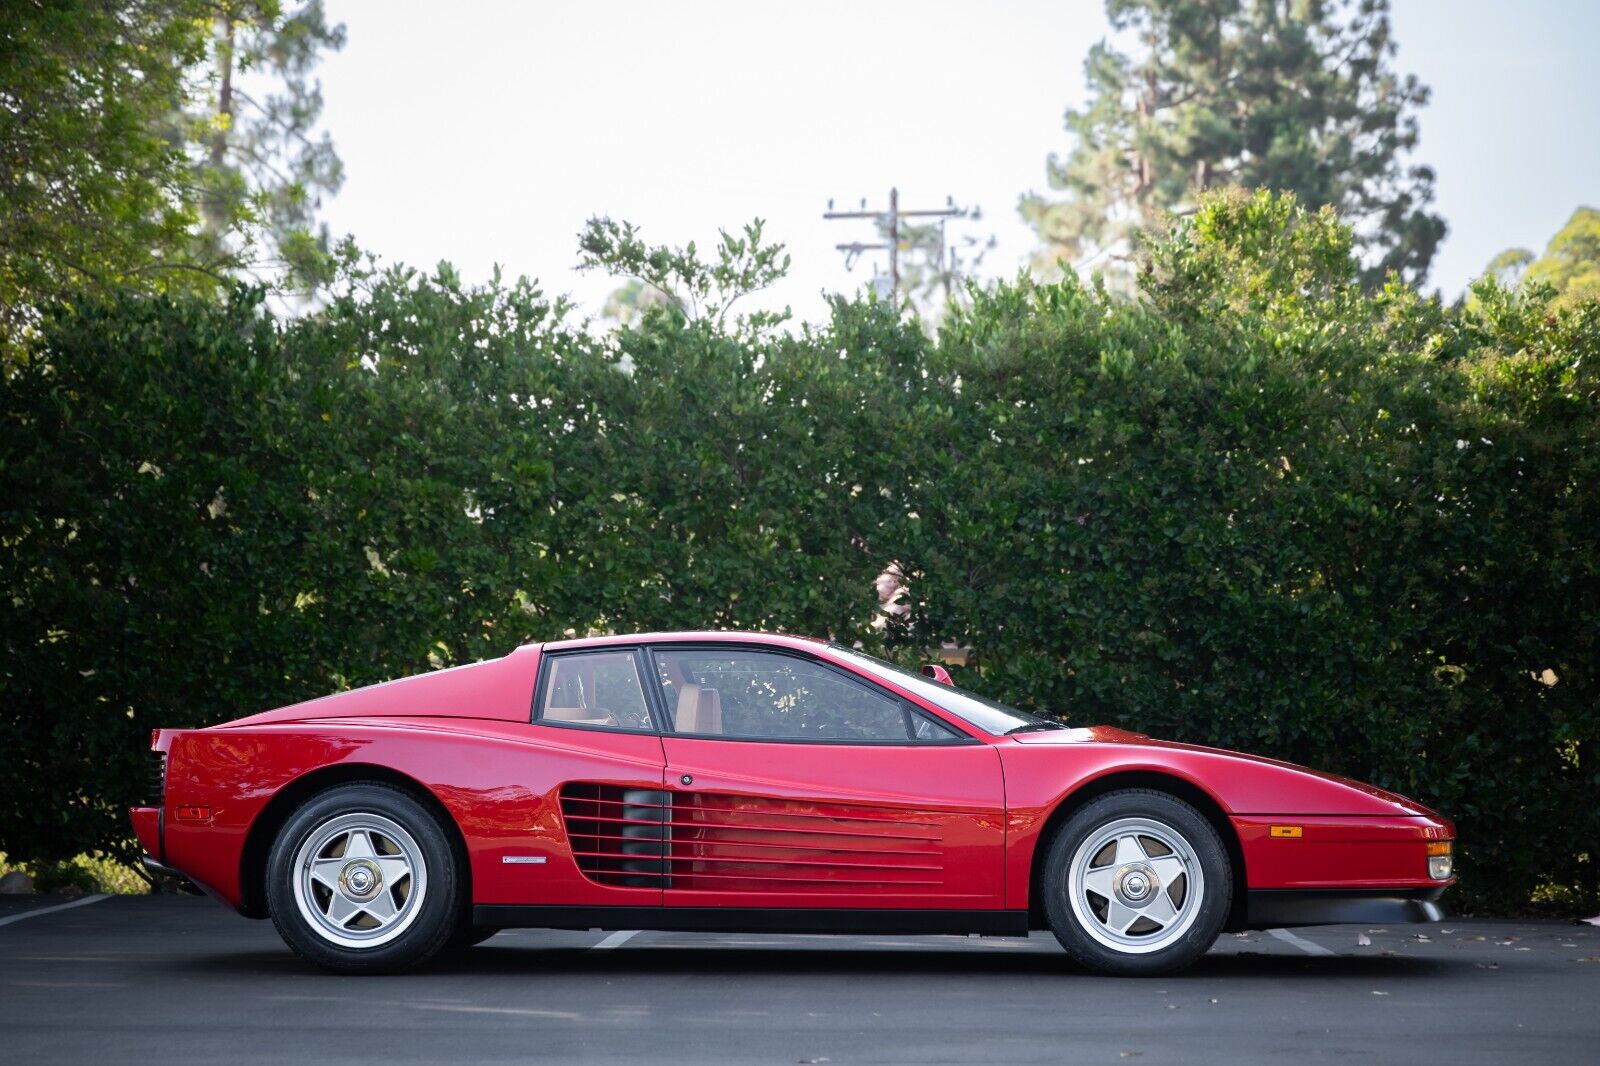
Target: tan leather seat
699,710
580,715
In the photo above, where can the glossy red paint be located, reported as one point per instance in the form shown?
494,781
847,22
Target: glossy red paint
904,826
147,827
915,826
1381,846
1371,852
495,688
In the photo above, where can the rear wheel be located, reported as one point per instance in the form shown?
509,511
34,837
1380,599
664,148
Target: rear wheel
1137,882
362,879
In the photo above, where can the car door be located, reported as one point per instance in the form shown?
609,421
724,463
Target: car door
600,767
796,783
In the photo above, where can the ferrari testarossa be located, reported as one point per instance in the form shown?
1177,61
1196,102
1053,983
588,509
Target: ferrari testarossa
728,781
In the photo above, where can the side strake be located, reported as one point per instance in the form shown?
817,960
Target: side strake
731,842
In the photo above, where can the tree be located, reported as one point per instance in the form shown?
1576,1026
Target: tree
89,184
629,302
1570,264
1292,95
259,165
158,144
677,278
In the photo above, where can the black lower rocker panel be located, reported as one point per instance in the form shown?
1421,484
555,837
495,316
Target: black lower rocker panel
756,920
1275,908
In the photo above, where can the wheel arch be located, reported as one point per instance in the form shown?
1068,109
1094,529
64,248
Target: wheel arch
1156,781
264,830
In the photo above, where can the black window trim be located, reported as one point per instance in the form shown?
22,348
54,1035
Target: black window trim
641,664
959,738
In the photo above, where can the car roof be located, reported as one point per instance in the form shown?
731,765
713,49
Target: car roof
782,640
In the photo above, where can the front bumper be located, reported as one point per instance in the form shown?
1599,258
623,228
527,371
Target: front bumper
1275,908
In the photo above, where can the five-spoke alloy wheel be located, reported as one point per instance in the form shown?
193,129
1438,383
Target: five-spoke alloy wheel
1136,882
362,879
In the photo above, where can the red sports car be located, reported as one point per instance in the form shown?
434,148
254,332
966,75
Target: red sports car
729,781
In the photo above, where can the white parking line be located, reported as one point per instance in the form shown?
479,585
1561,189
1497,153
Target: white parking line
1300,942
84,902
615,940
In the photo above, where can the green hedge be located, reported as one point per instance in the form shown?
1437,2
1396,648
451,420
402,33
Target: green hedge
1265,510
1256,507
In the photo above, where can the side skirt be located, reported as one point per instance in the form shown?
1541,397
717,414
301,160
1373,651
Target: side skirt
853,921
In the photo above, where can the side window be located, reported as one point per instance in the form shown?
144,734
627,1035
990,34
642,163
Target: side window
600,690
765,696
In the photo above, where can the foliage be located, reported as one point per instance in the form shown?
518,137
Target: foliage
259,168
132,155
1297,97
86,178
1265,510
237,512
81,873
1261,507
628,303
678,277
1570,265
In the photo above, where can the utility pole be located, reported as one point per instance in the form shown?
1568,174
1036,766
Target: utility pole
889,221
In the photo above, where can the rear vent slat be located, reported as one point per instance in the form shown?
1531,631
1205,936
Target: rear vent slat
158,779
767,860
787,845
648,838
626,845
767,811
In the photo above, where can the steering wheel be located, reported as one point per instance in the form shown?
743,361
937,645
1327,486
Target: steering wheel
636,719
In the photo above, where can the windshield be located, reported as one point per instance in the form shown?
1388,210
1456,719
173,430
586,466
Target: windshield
986,714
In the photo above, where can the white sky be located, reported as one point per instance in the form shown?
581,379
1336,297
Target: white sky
487,133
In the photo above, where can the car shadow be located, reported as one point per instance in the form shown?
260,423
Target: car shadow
671,959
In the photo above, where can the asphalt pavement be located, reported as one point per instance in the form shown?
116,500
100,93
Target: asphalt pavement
181,980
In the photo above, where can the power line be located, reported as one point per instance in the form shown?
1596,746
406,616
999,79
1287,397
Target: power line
890,221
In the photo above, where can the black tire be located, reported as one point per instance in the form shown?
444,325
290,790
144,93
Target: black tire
420,926
1087,931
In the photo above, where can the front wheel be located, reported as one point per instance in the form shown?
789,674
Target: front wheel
1137,883
362,879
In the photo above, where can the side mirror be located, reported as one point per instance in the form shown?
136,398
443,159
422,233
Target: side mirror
938,673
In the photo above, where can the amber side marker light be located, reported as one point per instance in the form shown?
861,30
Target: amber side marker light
1441,861
1286,831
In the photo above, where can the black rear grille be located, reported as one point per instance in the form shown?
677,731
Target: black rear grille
158,779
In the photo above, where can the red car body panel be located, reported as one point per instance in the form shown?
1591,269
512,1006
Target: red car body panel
945,827
942,814
495,688
1354,836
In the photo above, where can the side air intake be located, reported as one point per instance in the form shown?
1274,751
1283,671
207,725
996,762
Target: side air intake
751,844
618,835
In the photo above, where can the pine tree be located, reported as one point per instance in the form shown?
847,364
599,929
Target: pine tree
90,189
1294,95
260,166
